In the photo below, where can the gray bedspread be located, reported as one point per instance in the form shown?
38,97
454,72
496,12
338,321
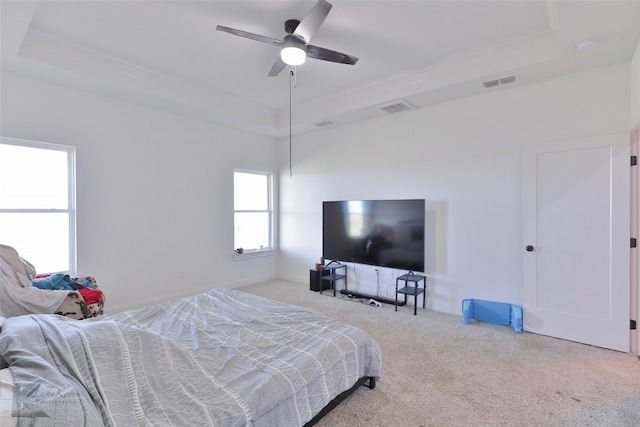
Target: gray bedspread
220,358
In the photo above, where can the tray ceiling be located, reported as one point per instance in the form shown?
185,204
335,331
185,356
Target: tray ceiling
167,54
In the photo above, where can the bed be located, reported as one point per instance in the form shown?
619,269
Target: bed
223,358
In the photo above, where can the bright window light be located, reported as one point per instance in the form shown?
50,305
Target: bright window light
37,203
355,218
253,215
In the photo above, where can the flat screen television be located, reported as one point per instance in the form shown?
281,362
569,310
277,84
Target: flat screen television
386,233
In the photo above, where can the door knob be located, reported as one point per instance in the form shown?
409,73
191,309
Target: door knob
529,248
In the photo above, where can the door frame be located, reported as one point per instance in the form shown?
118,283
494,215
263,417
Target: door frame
634,297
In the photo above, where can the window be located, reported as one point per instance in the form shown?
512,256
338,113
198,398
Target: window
37,203
253,215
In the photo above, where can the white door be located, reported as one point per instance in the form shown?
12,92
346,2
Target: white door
576,212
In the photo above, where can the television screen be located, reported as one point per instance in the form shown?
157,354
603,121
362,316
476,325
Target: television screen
386,233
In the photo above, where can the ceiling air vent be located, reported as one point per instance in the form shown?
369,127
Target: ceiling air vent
396,107
500,82
325,123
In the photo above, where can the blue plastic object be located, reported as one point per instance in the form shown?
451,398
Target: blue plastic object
500,313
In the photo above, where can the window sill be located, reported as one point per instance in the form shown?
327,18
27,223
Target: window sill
256,253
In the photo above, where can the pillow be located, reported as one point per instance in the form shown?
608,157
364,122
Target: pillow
16,300
20,264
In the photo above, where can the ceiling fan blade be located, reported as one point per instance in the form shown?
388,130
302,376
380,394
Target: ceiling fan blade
330,55
248,35
277,67
312,21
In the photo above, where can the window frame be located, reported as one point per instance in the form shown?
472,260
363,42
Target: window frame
264,251
71,209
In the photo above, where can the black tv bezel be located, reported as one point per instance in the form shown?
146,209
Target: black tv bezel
406,266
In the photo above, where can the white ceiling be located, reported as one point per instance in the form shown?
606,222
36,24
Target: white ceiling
167,54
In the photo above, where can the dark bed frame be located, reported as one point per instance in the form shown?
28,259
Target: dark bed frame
339,398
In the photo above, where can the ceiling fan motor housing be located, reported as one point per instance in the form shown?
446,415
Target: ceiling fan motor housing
290,25
292,41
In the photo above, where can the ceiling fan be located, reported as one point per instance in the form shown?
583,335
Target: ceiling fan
294,45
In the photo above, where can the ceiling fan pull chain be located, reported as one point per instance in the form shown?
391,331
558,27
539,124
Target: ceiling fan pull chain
291,76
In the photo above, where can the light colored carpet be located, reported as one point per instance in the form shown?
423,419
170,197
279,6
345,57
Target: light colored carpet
440,372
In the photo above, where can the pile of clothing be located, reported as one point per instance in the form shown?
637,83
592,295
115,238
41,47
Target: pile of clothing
64,282
24,292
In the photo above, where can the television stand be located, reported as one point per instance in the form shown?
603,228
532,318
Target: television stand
367,296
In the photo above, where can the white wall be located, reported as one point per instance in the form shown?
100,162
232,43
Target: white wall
464,158
635,88
154,190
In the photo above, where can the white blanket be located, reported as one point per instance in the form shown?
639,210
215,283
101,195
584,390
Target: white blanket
6,399
18,296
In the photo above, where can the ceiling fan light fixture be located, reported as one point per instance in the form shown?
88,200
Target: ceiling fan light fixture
293,55
293,52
